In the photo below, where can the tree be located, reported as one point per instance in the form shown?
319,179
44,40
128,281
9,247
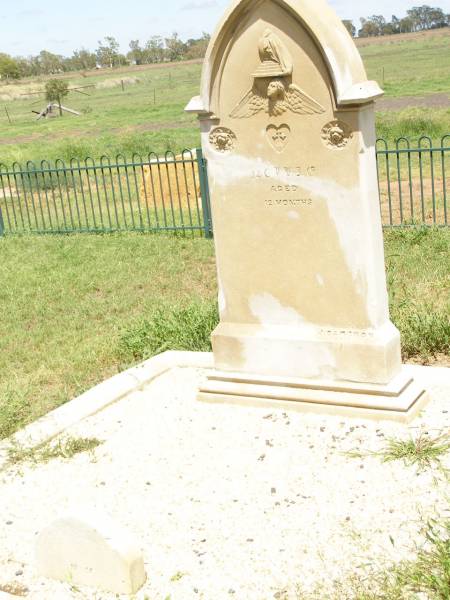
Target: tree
406,25
136,53
154,50
9,67
82,60
196,48
56,90
437,18
108,52
380,23
368,28
50,63
175,48
348,24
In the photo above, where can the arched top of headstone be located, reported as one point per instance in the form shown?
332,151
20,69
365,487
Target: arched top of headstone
320,23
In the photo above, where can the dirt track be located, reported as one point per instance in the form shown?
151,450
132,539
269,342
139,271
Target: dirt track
439,100
402,37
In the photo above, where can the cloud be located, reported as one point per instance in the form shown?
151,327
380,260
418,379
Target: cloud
199,5
56,41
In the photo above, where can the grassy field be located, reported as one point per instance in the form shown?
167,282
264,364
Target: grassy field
409,65
148,115
77,309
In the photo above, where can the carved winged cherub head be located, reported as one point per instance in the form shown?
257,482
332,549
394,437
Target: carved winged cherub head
271,91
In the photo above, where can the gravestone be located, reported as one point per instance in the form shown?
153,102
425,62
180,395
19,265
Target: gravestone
287,121
92,550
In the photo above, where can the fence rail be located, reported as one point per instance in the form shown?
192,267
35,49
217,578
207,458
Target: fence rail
413,182
171,193
144,194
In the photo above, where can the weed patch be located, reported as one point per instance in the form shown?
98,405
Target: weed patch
65,448
424,332
424,451
427,577
170,328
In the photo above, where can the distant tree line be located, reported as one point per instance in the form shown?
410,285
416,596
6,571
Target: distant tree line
107,55
419,18
158,49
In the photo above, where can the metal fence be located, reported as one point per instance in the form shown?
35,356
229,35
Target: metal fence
413,182
171,193
145,194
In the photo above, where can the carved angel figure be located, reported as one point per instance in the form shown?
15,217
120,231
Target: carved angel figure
278,99
274,56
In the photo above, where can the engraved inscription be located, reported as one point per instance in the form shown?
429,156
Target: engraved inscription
336,134
284,194
273,90
223,139
277,172
284,188
296,202
347,332
278,136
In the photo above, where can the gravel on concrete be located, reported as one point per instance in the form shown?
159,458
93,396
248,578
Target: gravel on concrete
228,502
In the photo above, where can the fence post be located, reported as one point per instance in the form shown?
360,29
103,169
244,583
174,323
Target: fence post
204,191
2,223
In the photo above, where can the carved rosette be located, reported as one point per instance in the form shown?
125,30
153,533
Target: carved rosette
222,139
336,134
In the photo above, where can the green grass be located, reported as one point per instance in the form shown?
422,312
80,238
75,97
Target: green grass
170,328
114,121
414,123
66,300
419,289
411,66
77,309
423,451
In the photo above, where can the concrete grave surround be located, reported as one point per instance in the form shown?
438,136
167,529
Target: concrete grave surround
287,121
91,550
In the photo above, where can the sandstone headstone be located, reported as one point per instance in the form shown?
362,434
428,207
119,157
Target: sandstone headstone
287,121
90,550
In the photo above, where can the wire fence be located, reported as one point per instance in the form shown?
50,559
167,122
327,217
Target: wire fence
171,194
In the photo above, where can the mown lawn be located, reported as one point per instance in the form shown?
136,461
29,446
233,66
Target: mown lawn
77,309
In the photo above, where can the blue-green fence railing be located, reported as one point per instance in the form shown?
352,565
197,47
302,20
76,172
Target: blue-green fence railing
145,194
414,182
171,193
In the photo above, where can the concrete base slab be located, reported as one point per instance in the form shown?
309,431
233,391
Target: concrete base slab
400,400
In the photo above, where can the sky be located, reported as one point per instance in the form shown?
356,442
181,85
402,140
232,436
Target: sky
61,26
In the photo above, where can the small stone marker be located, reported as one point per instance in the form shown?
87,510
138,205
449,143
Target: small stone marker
288,130
91,550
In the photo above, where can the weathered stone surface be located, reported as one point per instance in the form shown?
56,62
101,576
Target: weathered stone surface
90,550
287,120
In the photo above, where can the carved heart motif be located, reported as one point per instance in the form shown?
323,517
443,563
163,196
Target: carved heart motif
278,136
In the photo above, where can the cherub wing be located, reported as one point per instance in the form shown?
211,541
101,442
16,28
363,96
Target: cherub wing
251,104
301,103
